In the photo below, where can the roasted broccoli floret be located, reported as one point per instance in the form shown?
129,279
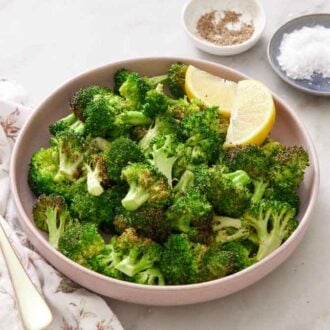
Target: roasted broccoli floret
146,185
254,161
50,214
151,276
122,152
134,88
163,154
81,242
68,123
227,229
149,222
72,149
176,79
84,96
191,213
242,254
164,125
228,192
186,181
106,261
42,172
289,164
109,116
182,108
273,222
181,261
283,195
138,253
97,176
202,140
216,263
95,209
156,102
119,78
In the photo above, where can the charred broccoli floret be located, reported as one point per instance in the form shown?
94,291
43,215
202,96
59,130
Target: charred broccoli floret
134,88
202,144
42,172
81,242
163,154
122,152
138,253
181,261
164,125
106,261
273,222
191,213
50,214
151,276
176,79
228,192
289,164
254,161
72,149
97,176
149,222
242,255
227,229
283,195
216,263
186,181
156,102
146,185
84,96
95,209
68,123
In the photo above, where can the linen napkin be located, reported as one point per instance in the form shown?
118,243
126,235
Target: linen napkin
73,307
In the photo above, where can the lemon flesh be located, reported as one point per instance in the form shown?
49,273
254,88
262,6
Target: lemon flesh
253,114
210,89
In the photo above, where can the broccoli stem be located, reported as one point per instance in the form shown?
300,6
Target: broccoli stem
131,265
94,181
69,120
78,127
162,162
186,181
146,140
154,81
222,223
102,143
54,230
67,169
152,276
273,240
135,197
239,177
259,190
132,118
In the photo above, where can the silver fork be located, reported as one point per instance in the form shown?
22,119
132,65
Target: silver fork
34,311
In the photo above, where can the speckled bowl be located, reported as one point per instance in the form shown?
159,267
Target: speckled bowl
194,9
34,135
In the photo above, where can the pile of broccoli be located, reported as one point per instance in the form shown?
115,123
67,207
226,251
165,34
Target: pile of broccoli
136,185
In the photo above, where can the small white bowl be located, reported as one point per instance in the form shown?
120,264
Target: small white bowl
194,9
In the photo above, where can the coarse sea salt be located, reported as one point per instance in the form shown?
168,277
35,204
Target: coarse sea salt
306,52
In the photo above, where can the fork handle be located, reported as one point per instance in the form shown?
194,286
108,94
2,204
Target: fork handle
34,311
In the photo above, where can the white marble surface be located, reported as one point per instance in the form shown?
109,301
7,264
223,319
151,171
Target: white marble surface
44,42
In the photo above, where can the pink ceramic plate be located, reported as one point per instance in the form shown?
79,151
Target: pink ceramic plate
34,135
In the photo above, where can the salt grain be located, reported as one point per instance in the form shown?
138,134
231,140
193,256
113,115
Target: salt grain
306,52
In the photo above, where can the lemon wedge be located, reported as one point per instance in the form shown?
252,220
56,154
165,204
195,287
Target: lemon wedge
253,114
210,89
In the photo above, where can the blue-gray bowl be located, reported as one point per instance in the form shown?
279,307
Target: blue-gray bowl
318,85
